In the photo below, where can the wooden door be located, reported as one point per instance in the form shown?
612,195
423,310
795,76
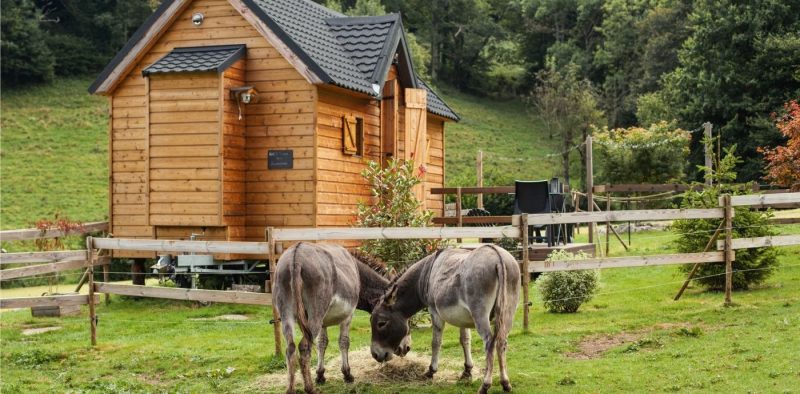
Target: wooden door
416,135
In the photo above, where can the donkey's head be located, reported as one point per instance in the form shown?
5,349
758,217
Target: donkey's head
390,331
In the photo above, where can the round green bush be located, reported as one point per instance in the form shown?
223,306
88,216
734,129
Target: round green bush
566,291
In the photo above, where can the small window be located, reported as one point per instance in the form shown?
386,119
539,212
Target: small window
352,136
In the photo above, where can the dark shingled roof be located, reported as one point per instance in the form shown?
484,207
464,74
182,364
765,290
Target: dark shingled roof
192,59
351,52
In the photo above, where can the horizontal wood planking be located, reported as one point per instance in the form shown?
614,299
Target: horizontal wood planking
69,264
32,233
475,220
631,261
765,200
39,257
761,242
231,297
784,220
622,216
57,300
474,190
322,234
163,245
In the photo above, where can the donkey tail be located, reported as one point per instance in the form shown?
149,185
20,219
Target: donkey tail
501,328
296,284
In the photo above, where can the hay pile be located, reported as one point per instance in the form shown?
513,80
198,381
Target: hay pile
408,369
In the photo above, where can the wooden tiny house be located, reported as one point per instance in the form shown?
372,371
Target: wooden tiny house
229,116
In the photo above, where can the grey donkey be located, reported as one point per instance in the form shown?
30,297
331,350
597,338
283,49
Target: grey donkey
317,286
467,289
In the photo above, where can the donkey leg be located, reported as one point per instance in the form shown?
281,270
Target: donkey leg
322,344
344,348
287,327
465,344
436,343
502,344
485,330
305,364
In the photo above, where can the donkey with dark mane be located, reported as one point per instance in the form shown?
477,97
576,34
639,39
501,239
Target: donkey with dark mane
317,286
464,288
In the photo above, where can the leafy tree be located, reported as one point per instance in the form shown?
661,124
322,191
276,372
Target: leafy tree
738,65
568,107
393,204
752,266
637,155
783,162
25,57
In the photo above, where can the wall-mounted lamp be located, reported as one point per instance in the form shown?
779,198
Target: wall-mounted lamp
197,18
244,95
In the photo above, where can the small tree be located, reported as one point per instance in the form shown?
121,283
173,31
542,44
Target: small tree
394,205
566,291
657,154
783,162
751,265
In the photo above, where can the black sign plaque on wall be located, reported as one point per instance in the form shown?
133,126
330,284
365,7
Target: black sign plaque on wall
280,159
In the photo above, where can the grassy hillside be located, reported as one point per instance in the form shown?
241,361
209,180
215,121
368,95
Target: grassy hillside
513,141
54,158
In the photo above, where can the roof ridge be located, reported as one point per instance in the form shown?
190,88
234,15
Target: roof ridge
364,20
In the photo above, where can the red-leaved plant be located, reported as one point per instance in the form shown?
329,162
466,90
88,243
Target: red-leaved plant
783,162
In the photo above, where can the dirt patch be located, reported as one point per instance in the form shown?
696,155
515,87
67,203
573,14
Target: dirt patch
222,317
595,345
408,369
40,330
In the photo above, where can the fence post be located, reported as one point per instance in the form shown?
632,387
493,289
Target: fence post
589,185
526,276
90,271
728,248
276,318
479,176
106,279
608,224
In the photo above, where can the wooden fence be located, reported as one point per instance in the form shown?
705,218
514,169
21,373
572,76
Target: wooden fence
516,229
40,263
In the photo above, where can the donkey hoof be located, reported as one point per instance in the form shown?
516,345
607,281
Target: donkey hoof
429,374
484,388
506,386
348,378
466,375
320,378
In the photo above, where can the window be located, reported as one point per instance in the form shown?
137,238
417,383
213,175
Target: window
352,136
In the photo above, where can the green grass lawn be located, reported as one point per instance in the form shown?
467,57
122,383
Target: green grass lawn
54,154
647,342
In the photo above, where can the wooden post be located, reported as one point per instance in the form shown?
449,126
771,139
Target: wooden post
459,219
589,185
90,271
479,176
105,279
728,248
526,276
608,224
711,242
273,269
708,149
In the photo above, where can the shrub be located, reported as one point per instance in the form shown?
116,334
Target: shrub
656,154
565,291
751,265
394,205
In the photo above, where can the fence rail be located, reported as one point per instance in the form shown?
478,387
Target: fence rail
65,265
233,297
33,233
55,300
40,257
159,245
761,242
